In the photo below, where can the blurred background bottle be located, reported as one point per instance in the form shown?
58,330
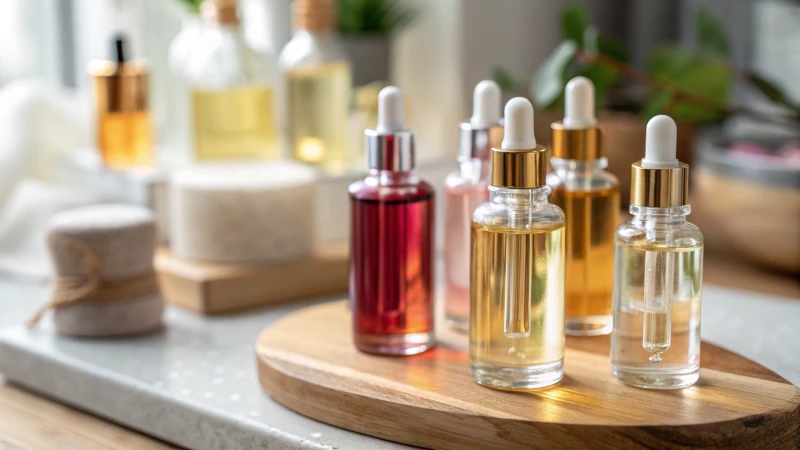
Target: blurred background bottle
124,128
316,82
232,90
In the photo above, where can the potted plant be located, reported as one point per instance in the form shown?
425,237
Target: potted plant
365,28
695,87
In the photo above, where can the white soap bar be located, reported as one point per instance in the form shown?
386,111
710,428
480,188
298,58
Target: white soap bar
242,213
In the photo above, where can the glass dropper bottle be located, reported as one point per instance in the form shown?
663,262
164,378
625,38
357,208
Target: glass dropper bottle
658,271
589,196
516,332
391,254
464,190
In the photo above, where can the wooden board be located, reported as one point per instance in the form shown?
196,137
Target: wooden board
307,362
215,288
29,422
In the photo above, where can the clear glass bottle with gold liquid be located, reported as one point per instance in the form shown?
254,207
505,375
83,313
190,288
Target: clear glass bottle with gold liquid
124,126
589,197
232,91
316,88
516,331
658,272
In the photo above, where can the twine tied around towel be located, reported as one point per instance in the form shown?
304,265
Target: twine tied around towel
91,287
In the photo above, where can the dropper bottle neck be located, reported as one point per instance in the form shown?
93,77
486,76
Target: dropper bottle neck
519,198
643,215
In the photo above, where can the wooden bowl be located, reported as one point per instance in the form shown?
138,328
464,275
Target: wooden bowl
753,205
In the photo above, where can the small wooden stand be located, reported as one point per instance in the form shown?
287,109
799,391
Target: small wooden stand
215,288
307,362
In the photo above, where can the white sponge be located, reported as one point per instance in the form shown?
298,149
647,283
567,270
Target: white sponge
660,144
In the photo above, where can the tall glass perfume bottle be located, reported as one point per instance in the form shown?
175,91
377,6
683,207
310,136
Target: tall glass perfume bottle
658,272
391,257
316,85
589,197
465,190
516,332
124,126
232,89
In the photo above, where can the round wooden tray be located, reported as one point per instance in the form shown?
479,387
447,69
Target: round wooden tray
307,362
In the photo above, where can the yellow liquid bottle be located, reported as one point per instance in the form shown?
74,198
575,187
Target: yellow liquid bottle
316,78
232,91
318,101
126,139
516,331
517,323
235,123
589,197
124,127
591,217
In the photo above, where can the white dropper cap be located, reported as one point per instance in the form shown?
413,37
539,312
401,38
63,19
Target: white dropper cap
519,125
660,144
485,105
579,104
390,110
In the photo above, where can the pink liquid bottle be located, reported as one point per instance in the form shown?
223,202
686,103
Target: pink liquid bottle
465,190
391,255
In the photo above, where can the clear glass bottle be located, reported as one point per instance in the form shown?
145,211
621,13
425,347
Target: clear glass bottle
392,242
658,273
124,124
517,284
316,88
177,122
465,190
232,89
589,197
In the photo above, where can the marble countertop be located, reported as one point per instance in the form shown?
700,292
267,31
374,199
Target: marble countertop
194,383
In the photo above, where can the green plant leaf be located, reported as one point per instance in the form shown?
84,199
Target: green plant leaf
709,78
507,81
669,61
657,105
549,80
372,16
603,78
710,34
192,6
574,22
771,91
594,43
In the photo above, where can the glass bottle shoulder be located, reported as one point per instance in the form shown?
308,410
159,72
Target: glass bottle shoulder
646,234
579,180
311,49
391,187
472,175
221,58
540,215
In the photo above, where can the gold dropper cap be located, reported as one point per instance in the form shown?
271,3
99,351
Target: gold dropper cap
220,11
121,85
520,163
581,144
659,180
578,137
314,15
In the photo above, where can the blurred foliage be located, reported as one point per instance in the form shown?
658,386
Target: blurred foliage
690,85
373,16
193,6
